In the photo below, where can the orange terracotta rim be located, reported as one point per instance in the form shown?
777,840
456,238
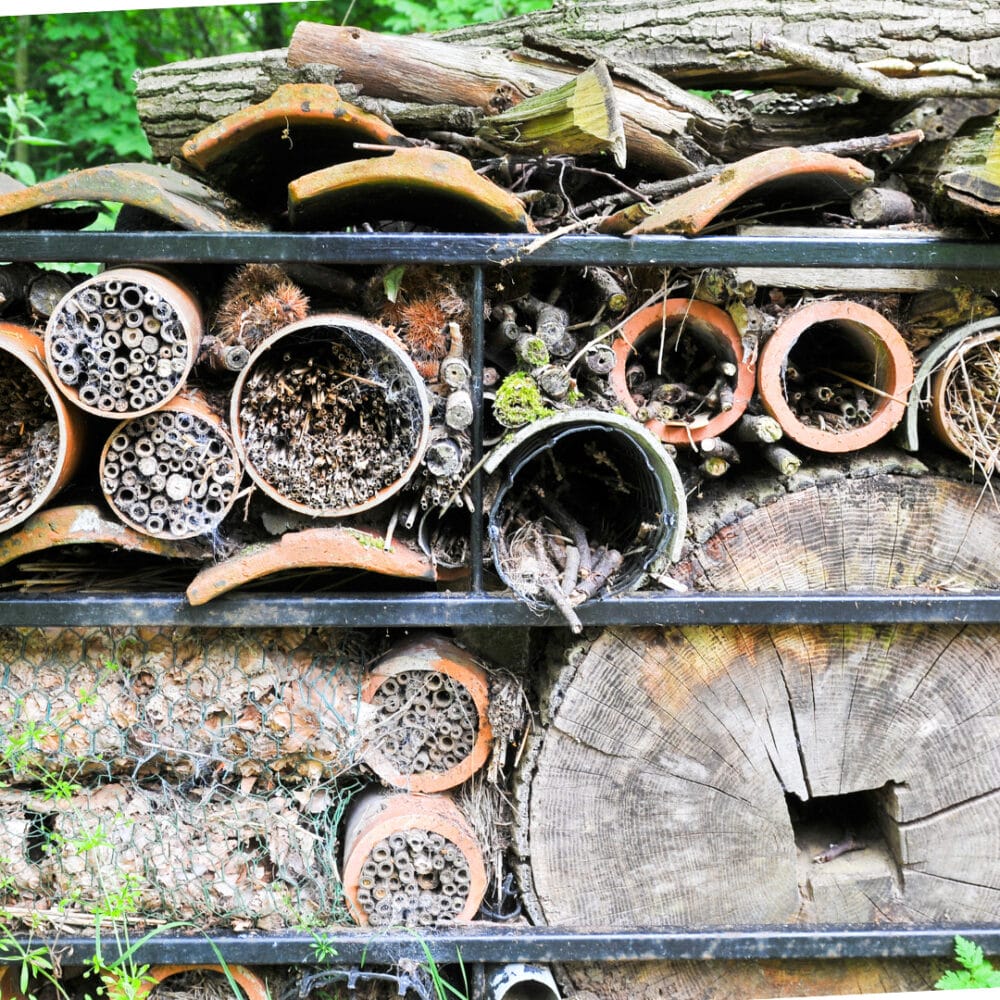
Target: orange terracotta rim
180,200
315,105
312,548
441,655
28,348
380,814
252,985
353,328
876,339
941,420
715,330
693,210
426,185
188,316
86,524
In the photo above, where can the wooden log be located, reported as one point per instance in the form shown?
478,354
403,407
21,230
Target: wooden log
703,44
415,68
712,765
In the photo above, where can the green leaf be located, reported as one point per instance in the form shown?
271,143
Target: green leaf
392,281
968,954
38,140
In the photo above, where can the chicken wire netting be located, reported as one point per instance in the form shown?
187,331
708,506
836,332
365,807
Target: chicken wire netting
176,774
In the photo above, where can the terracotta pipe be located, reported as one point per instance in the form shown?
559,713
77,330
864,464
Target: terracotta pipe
174,473
9,987
382,820
872,338
27,348
104,342
951,376
259,436
433,658
252,985
715,332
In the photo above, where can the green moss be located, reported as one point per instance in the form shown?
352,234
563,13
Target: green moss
367,541
519,401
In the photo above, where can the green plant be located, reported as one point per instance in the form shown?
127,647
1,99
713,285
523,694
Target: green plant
977,972
22,126
519,401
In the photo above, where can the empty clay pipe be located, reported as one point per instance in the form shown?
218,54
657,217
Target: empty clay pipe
330,416
174,473
44,437
428,728
715,335
835,342
517,981
122,343
253,987
411,860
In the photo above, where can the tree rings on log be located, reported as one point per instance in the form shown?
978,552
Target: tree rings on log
704,776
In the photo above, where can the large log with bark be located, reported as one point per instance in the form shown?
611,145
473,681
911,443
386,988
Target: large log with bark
779,774
702,43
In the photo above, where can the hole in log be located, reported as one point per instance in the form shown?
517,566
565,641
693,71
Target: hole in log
843,842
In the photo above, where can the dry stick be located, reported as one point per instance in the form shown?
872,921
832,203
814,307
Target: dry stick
862,385
609,562
862,146
664,292
847,72
547,581
758,428
781,459
569,526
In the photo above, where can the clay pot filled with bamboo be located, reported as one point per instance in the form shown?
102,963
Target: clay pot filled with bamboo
189,982
330,416
123,342
679,369
835,375
173,473
963,400
426,705
582,503
411,860
42,438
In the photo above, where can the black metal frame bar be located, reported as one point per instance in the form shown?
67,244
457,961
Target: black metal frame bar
494,943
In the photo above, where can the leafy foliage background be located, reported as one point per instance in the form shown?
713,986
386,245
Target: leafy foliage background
76,69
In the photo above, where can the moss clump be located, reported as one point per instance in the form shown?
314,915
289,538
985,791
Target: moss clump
519,401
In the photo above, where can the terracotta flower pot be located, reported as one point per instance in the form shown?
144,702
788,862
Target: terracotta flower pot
450,739
840,334
123,342
22,496
393,841
715,334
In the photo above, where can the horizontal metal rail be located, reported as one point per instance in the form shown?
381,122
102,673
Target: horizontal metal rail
490,943
434,248
434,610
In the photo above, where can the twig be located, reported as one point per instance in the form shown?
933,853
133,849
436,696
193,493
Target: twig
847,72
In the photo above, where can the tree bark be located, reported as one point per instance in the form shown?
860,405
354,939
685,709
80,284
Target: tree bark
179,99
692,776
705,44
